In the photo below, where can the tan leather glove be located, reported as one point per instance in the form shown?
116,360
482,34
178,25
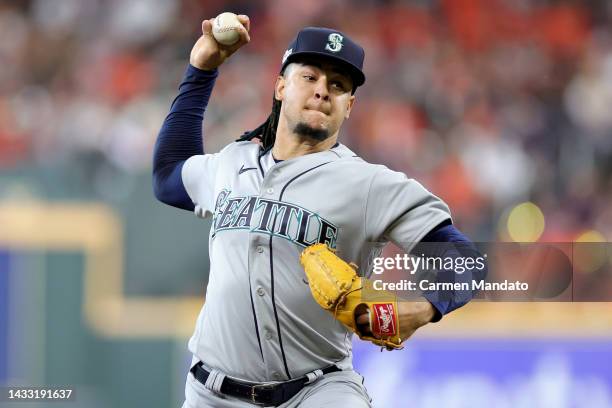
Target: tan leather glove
337,288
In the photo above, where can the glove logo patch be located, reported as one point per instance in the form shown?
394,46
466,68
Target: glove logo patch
384,323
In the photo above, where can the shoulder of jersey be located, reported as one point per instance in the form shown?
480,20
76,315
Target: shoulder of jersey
344,155
347,157
245,145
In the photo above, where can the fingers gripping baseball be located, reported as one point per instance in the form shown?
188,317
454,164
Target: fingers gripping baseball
207,53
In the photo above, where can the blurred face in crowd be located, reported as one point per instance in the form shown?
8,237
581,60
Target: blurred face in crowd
316,98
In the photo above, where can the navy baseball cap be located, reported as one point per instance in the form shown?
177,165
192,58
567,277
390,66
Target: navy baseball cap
331,44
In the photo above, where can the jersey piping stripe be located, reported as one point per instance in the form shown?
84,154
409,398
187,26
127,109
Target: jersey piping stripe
280,340
250,287
259,163
255,318
336,153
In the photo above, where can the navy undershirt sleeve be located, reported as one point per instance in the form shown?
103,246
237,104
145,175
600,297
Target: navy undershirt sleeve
452,244
180,137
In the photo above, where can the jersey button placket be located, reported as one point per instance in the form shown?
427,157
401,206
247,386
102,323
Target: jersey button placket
261,291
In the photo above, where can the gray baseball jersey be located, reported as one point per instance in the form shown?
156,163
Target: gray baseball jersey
260,321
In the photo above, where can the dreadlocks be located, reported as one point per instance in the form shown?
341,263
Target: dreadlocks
267,130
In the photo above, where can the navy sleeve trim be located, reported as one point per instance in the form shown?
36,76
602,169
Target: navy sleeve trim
461,247
180,137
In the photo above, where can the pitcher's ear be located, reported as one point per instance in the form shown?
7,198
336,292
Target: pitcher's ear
349,107
279,88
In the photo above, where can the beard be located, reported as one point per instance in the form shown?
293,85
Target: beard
304,129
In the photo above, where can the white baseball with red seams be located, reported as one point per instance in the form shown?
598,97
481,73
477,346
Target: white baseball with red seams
226,28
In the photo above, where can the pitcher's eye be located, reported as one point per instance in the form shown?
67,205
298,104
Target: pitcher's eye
338,85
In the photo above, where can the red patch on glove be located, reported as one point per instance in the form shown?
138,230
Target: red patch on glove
383,320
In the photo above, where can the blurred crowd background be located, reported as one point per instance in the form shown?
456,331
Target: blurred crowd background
488,102
500,107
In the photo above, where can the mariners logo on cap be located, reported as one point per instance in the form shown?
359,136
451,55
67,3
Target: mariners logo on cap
334,42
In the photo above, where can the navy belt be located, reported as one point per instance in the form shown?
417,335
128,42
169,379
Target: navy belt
272,394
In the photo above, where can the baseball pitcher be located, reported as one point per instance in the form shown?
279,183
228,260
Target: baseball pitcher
291,207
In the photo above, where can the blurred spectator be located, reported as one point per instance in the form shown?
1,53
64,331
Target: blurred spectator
488,102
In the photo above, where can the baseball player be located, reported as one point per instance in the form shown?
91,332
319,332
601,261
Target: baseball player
261,339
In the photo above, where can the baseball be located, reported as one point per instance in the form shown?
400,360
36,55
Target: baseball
225,28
